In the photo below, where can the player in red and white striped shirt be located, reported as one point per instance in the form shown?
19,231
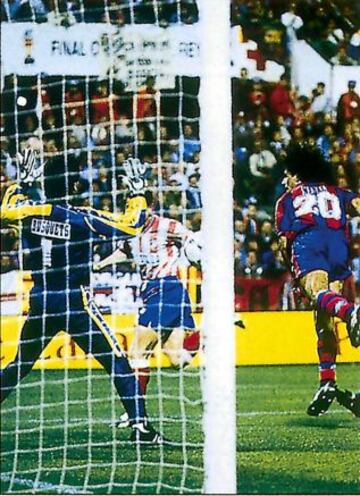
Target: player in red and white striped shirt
166,307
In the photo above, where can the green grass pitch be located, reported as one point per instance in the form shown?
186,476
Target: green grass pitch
279,449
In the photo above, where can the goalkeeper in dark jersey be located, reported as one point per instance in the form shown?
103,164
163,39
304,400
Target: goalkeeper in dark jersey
60,239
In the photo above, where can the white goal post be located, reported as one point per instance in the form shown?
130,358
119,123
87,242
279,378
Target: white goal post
58,429
217,227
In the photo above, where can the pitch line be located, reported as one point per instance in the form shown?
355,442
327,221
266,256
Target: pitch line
43,485
100,420
284,413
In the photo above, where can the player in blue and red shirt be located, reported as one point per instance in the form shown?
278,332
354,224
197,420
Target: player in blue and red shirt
311,220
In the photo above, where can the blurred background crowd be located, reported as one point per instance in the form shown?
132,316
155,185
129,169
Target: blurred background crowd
331,27
89,127
117,12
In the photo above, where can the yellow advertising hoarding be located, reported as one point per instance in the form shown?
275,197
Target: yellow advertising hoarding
269,338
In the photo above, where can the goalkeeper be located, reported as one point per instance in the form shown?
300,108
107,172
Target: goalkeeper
60,239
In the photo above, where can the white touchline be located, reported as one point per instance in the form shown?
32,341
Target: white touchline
43,485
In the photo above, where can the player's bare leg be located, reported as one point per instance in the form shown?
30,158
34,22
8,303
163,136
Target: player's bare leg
179,344
316,286
313,283
145,340
173,347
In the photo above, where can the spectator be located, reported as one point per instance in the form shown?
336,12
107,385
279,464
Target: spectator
30,125
106,203
8,166
50,147
145,100
241,88
188,12
325,140
272,260
261,161
190,142
348,107
280,98
257,100
80,134
353,50
193,194
124,131
335,34
252,266
181,179
47,111
341,57
173,152
61,13
74,104
320,101
26,10
116,14
243,136
100,135
298,135
104,107
277,144
239,231
250,216
266,235
283,130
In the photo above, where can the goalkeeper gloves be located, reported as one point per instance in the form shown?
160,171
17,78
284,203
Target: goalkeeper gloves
30,167
135,175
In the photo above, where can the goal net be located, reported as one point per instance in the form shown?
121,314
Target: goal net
89,85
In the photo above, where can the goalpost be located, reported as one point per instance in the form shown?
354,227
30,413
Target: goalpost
218,285
57,428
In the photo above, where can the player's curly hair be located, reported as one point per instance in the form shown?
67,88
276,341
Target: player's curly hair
309,164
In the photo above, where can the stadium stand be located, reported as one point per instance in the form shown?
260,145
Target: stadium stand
266,117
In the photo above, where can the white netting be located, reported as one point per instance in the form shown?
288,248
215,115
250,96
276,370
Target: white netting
58,433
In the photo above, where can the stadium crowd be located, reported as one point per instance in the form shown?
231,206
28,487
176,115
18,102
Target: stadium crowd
117,12
331,26
96,124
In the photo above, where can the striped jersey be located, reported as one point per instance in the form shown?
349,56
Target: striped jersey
158,249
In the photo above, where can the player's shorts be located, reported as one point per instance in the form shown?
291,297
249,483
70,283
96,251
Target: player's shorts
166,305
317,249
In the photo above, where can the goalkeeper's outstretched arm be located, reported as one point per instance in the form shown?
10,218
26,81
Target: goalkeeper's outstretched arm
17,207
